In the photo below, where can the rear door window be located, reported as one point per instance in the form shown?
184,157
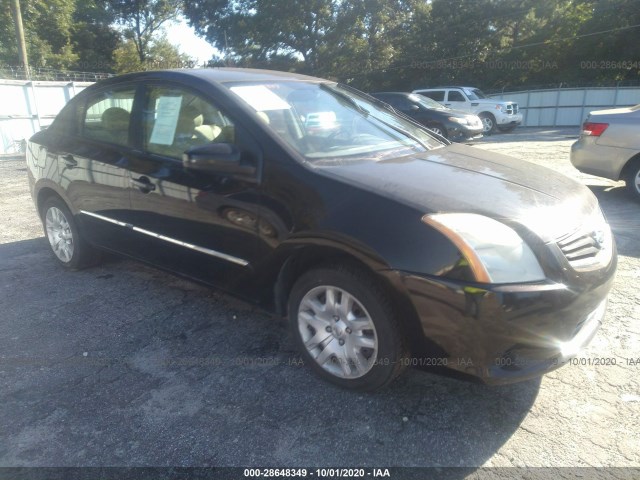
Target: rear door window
437,95
108,116
456,96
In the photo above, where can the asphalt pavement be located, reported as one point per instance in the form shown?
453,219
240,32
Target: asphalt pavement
124,365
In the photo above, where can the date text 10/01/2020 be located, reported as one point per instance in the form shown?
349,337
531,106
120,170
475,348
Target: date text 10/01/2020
317,472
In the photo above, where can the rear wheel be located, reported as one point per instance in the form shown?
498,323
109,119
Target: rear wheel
488,123
345,328
66,243
632,179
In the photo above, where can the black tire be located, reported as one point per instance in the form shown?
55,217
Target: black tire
439,130
390,347
81,253
508,129
488,122
632,179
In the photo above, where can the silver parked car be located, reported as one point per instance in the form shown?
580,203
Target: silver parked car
609,146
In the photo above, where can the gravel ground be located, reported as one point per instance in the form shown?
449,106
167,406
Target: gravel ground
123,365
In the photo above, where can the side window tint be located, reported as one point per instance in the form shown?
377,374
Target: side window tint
108,114
400,103
404,104
437,95
393,101
176,120
456,96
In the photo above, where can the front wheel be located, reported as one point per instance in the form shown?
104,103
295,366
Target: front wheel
632,179
66,243
438,129
488,123
345,328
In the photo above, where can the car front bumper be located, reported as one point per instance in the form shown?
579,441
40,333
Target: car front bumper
463,132
505,120
508,333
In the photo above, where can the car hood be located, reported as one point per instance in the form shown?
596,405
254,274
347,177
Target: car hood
616,111
492,101
451,112
458,178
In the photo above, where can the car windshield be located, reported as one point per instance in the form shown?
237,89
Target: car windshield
330,121
474,93
427,102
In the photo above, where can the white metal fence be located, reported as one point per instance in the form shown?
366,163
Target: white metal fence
568,107
29,106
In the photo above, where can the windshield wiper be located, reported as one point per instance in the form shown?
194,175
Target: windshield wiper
346,98
386,106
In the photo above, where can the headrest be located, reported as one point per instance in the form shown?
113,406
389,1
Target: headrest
264,117
190,117
114,117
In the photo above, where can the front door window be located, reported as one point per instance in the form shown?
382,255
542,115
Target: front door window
176,120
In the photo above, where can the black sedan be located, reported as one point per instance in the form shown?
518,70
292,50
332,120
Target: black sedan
451,124
383,244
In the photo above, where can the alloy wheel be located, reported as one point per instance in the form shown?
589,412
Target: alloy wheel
487,123
59,234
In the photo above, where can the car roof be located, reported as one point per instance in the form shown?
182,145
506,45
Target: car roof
213,75
444,86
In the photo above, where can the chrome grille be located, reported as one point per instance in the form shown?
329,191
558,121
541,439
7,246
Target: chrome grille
512,109
587,250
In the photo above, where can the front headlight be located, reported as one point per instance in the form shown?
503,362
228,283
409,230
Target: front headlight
495,252
502,108
462,121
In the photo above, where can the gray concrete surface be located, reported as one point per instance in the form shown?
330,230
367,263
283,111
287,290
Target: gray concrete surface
123,365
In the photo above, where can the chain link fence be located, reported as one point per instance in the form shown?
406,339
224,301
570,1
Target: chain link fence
11,72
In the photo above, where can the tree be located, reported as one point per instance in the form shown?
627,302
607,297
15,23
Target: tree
161,54
93,36
143,20
323,37
257,30
47,27
369,38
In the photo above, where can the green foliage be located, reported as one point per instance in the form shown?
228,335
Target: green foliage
143,19
47,30
161,54
401,44
93,36
373,44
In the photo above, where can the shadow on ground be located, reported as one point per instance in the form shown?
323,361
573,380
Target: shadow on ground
123,365
533,134
623,214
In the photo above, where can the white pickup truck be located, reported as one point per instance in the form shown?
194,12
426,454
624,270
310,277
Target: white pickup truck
495,114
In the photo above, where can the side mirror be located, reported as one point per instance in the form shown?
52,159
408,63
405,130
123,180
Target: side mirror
216,158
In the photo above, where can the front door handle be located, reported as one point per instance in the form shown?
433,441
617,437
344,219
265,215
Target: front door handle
69,161
143,183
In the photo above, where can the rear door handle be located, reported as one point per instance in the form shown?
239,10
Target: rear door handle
143,183
69,161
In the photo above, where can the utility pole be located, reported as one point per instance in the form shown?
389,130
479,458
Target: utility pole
22,46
